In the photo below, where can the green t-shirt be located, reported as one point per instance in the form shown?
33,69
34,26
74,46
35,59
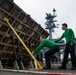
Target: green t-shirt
44,43
68,35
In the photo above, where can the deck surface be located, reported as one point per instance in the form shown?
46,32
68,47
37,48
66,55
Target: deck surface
53,71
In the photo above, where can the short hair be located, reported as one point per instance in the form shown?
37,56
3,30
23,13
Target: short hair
64,24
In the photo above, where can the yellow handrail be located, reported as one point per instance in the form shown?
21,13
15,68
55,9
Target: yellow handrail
37,64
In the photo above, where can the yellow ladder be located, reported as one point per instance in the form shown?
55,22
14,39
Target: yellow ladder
37,64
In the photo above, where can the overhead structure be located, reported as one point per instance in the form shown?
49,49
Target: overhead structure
12,53
50,23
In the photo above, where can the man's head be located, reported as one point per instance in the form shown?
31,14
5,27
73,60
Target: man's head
41,38
64,26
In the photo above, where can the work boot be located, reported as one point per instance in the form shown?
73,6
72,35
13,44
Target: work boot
61,67
73,68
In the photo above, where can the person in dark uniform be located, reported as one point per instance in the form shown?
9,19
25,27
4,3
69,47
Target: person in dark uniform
53,48
69,48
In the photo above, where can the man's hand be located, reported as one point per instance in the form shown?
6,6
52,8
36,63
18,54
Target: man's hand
32,52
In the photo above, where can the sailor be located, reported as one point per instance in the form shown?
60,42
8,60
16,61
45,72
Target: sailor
69,48
53,48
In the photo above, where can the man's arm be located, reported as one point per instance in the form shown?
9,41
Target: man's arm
73,36
41,45
60,38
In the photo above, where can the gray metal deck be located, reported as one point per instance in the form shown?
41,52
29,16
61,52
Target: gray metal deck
53,71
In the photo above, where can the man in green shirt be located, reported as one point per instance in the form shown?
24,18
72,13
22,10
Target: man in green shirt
69,48
53,48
